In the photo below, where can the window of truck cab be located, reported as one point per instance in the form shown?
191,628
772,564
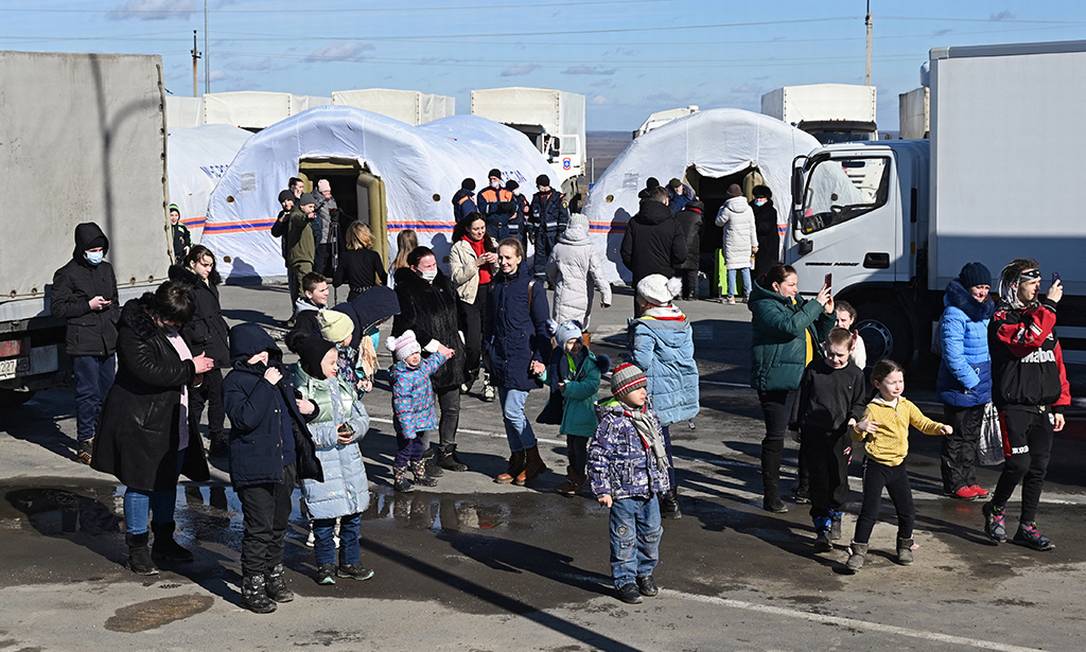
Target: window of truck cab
841,189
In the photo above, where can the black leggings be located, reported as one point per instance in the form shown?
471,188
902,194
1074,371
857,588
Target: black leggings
577,453
777,409
473,319
896,481
209,392
1027,445
825,456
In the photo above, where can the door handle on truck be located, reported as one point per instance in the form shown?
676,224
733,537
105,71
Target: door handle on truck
879,260
805,246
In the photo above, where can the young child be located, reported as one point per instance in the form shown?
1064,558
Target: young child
575,372
413,406
269,450
314,299
885,433
344,492
627,465
832,397
846,315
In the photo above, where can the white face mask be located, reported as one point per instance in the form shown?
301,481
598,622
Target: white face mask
428,274
495,184
94,257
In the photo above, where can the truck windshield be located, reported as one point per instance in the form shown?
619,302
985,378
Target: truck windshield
840,189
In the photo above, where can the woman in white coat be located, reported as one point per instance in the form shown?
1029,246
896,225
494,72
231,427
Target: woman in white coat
740,238
572,262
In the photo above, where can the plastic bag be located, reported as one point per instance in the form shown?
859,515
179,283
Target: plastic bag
990,447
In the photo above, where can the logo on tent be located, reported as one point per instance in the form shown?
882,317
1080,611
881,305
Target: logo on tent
567,163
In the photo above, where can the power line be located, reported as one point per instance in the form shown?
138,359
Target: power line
352,10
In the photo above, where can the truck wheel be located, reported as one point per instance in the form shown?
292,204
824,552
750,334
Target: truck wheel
886,332
9,398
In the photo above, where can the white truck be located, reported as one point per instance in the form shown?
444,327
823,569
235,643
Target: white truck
832,113
658,119
1000,178
412,107
553,120
96,153
914,113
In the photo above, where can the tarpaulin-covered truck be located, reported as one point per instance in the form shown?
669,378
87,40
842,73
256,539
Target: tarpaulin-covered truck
95,152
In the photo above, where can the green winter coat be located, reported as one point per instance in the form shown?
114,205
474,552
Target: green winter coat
779,345
579,394
301,247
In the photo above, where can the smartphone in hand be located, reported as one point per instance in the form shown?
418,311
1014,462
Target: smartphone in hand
828,280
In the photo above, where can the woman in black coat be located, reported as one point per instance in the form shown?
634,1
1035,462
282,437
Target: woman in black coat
428,306
144,438
206,333
360,267
765,227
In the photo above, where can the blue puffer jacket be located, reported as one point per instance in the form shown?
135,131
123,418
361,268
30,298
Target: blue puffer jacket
965,370
518,335
662,344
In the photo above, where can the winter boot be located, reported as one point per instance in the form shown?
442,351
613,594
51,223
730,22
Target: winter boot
1028,535
430,459
220,446
164,548
139,554
448,460
399,480
533,466
835,526
669,505
572,484
995,522
822,526
254,595
418,470
857,555
771,477
904,551
517,460
276,584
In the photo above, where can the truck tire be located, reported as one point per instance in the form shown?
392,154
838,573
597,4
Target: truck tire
887,333
9,398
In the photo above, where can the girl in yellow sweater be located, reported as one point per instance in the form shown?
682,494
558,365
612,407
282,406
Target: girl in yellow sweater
884,430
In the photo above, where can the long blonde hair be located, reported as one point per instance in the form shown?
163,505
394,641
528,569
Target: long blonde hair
359,236
406,242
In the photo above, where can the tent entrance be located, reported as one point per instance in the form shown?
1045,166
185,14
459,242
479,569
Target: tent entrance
359,194
712,191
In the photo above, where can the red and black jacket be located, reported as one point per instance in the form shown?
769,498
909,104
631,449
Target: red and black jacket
1027,361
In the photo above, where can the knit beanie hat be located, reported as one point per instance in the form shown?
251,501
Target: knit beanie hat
974,274
627,377
494,173
568,330
285,195
468,184
308,198
173,208
659,290
404,346
675,183
543,180
335,326
311,352
652,182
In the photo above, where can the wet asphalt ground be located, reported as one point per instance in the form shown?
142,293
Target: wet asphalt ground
470,565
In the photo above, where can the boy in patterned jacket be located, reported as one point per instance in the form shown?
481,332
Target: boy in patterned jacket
413,406
627,465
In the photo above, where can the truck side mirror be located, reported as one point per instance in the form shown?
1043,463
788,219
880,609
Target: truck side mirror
805,247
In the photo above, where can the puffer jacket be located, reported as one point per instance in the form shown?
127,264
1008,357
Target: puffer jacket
662,344
573,261
518,335
965,370
581,386
740,235
89,332
345,489
619,465
413,403
654,243
779,331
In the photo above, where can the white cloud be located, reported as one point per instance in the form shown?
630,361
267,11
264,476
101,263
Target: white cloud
154,9
339,52
599,100
520,69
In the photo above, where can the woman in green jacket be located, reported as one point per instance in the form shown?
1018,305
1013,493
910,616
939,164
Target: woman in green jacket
786,332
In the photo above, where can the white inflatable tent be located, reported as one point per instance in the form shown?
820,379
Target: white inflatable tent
416,170
716,143
196,159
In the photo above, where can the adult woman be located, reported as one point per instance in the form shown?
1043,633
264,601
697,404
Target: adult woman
517,345
145,440
473,261
765,227
740,243
573,261
406,241
786,328
360,267
206,333
428,306
964,383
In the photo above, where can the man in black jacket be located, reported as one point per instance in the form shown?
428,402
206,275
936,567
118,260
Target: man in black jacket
654,243
85,294
689,219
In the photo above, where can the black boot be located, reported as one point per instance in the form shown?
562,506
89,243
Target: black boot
220,446
448,460
276,585
164,548
669,505
771,476
254,595
139,555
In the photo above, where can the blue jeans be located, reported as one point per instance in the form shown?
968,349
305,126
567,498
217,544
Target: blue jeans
160,503
635,538
746,281
518,429
324,546
93,378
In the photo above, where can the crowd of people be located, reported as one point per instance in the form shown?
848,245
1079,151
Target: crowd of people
144,373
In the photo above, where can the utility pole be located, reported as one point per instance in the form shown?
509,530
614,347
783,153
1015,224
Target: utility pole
867,25
207,59
195,59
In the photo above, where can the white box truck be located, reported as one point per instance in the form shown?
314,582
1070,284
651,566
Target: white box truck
95,153
412,107
914,114
1000,178
832,113
553,120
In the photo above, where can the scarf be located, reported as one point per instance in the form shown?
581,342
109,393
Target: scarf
652,438
479,247
664,313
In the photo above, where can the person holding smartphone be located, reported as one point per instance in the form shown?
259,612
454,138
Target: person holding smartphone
473,263
85,296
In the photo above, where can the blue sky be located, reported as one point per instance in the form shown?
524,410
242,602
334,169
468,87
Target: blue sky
628,57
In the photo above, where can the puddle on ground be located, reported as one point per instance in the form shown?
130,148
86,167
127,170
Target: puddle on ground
143,616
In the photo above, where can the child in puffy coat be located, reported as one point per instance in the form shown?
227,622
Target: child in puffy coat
413,406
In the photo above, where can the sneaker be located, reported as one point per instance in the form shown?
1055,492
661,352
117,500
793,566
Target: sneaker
979,491
326,574
731,301
83,455
801,497
310,540
354,572
964,493
629,593
995,522
275,584
647,586
822,541
1028,535
776,506
488,393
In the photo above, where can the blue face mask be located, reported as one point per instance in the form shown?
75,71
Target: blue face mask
94,257
759,202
